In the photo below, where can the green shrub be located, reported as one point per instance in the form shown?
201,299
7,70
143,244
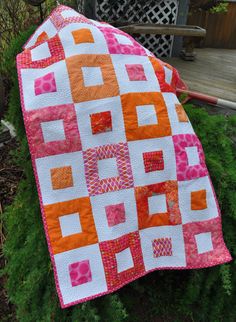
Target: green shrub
197,295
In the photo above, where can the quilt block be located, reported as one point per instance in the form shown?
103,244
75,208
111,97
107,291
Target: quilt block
121,176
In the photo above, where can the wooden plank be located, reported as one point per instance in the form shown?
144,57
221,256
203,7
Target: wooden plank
160,29
213,72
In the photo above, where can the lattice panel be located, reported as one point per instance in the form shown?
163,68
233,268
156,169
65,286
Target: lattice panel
152,11
80,6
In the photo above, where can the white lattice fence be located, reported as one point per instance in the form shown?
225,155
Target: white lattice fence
152,11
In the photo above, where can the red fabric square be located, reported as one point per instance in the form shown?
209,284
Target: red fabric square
101,122
110,248
153,161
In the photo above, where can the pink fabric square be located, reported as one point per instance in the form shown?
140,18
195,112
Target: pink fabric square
218,255
116,48
66,113
184,171
162,247
135,72
115,214
80,273
119,151
45,84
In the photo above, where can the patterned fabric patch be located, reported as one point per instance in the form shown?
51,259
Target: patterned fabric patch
101,122
135,72
115,214
61,178
162,247
45,84
121,176
123,181
153,161
80,273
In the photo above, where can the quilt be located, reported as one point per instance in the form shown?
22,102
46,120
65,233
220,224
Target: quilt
121,176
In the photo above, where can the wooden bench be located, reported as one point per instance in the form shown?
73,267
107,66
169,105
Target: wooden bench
190,32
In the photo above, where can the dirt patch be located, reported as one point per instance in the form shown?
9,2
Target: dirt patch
10,175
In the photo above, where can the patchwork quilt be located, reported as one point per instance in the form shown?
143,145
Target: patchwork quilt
121,175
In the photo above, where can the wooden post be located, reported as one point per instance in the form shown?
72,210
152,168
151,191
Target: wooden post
181,20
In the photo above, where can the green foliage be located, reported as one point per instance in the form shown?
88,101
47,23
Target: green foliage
221,7
198,295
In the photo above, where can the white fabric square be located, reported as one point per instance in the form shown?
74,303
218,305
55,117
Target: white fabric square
61,96
70,224
99,202
47,27
98,284
127,86
157,204
184,190
204,242
40,52
44,165
178,250
92,76
192,155
69,14
107,168
70,48
83,111
137,148
168,75
146,115
53,131
177,127
123,40
124,260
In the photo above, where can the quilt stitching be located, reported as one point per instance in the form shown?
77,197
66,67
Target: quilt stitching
155,195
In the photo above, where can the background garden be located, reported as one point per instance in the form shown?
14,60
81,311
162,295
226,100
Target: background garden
29,292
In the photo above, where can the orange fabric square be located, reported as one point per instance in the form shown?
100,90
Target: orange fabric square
198,200
81,93
42,37
171,217
82,36
61,178
182,116
88,235
101,122
135,132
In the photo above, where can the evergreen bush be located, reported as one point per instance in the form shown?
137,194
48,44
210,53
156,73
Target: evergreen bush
190,295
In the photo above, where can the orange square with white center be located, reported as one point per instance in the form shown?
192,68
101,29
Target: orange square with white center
92,77
83,35
199,200
70,224
145,116
61,177
157,205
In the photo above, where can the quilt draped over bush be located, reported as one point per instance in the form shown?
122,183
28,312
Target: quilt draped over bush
121,176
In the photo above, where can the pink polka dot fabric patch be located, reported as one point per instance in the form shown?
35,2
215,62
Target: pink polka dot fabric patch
45,84
80,273
121,176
